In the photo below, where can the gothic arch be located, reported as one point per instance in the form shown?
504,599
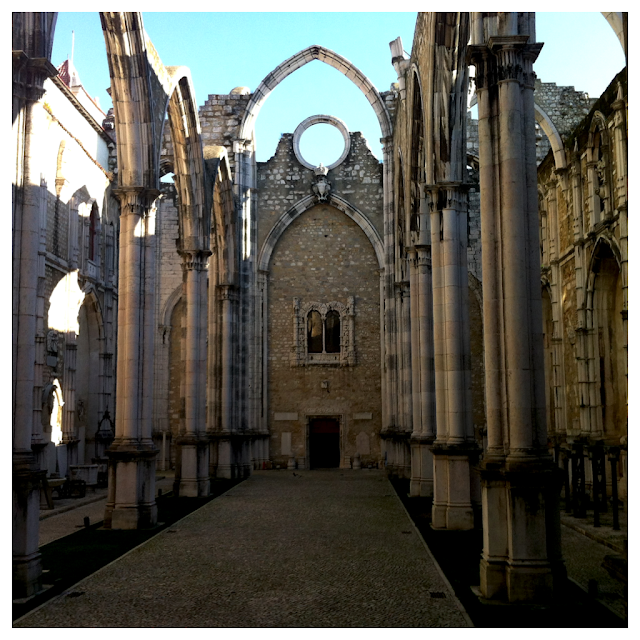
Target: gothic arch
160,91
611,244
188,161
616,20
314,52
402,228
223,267
418,151
305,204
169,305
552,134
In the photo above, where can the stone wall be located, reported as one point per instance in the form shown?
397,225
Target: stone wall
283,181
220,119
584,266
323,256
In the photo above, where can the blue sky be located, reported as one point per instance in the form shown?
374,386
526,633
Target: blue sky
226,50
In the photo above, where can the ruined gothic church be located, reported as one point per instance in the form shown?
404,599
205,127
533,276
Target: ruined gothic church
455,314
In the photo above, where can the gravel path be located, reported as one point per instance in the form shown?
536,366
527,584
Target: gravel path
282,549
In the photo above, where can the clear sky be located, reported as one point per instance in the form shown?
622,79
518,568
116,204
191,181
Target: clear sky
226,50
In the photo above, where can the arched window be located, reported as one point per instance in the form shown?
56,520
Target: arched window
332,332
314,332
323,333
323,336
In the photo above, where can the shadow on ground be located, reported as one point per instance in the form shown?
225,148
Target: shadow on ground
70,559
458,554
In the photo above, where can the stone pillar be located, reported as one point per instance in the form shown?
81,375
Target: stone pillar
422,356
454,434
194,446
390,418
69,437
29,74
37,442
521,533
226,293
132,455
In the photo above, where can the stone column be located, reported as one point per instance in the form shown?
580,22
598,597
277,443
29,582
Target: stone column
29,75
390,418
69,437
262,443
37,442
556,308
132,455
226,293
521,536
454,434
423,434
194,479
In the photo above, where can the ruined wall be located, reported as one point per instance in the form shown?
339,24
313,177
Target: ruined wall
220,119
283,181
322,257
584,260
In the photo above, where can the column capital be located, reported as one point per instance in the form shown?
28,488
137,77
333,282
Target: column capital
194,260
240,145
29,75
387,144
136,200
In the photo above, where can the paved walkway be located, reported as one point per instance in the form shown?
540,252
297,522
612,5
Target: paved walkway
310,549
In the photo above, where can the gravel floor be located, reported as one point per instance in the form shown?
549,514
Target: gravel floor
310,549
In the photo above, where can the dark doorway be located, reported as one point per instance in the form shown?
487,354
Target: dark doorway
324,443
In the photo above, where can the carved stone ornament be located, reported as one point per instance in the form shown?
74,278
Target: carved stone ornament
299,355
52,342
322,187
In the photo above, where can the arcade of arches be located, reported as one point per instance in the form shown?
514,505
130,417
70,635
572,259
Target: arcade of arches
443,314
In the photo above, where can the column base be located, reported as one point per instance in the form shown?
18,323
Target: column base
225,460
452,509
421,485
493,580
27,576
522,560
132,479
193,476
27,566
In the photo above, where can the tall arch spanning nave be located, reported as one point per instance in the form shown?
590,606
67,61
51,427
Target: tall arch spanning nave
456,313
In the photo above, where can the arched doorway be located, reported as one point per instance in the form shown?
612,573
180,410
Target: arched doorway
609,342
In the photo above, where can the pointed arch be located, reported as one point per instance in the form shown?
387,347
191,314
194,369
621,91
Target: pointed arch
160,93
188,161
552,134
303,205
295,62
223,267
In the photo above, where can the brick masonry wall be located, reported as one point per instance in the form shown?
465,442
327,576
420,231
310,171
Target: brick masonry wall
324,256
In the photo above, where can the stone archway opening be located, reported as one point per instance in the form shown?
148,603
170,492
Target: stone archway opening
608,335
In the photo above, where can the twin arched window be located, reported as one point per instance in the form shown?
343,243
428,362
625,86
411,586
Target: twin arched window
323,336
323,333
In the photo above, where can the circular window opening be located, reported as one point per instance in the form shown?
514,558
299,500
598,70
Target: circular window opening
328,144
321,143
